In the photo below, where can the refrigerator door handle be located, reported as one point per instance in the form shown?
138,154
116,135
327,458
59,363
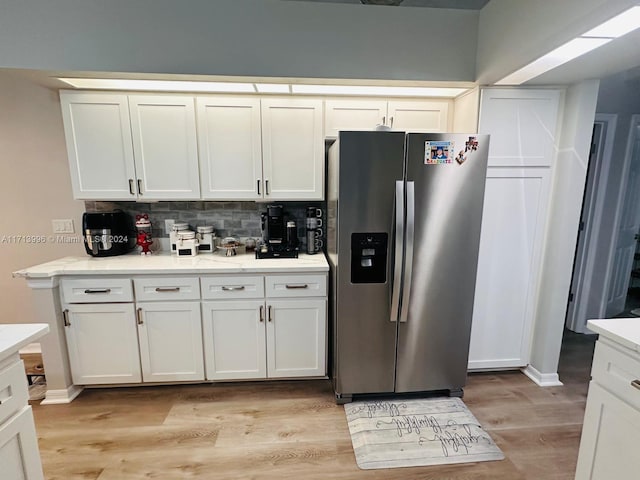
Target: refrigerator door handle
408,257
399,243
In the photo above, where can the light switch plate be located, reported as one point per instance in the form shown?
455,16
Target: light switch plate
168,225
64,225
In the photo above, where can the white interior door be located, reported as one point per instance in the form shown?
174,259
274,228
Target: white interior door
628,227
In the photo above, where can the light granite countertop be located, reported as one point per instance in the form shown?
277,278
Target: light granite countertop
625,331
15,336
136,264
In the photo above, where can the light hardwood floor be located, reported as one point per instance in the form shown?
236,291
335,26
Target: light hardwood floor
294,430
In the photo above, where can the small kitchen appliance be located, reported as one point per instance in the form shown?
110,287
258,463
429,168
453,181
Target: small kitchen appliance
274,235
314,232
107,234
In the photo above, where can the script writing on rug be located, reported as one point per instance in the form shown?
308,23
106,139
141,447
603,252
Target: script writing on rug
417,432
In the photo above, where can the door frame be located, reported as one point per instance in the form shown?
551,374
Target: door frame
622,192
586,248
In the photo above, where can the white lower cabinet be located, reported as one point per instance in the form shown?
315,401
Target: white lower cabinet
103,343
296,337
19,455
170,335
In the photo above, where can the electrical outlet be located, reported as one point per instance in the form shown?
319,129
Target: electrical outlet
64,225
168,225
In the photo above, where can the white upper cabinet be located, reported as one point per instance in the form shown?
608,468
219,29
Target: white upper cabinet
431,116
98,137
230,146
292,149
347,115
165,147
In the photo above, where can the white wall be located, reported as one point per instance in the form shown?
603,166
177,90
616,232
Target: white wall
34,187
465,112
239,37
569,175
512,33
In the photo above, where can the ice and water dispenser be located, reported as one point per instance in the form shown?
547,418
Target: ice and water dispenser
369,257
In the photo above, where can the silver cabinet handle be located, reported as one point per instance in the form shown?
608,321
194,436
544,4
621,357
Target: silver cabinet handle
261,313
258,181
408,253
139,187
390,122
65,317
131,187
384,118
97,290
266,187
399,246
269,313
291,287
167,289
635,384
232,289
139,316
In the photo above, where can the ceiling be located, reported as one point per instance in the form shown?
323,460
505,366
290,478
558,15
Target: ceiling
457,4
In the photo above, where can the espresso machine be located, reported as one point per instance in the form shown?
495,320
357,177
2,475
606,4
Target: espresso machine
279,237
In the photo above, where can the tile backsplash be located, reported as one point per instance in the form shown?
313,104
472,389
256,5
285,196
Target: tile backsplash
239,219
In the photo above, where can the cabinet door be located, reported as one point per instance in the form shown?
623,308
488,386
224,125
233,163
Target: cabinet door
296,338
513,221
19,454
170,336
103,343
347,115
165,147
234,339
292,149
98,137
230,146
610,436
430,116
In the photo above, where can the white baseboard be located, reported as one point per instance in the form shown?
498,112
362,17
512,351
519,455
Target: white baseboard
542,379
57,397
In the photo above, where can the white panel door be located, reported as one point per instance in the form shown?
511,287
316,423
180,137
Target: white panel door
430,116
609,443
170,336
234,339
230,146
522,124
296,338
19,454
292,149
513,222
348,115
98,137
165,147
103,343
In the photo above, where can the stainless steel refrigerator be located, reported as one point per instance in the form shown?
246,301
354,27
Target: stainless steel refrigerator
404,214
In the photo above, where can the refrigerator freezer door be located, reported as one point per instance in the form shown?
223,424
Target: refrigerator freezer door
369,165
433,344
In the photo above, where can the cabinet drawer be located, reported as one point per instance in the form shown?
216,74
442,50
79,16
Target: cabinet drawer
296,285
616,371
96,290
13,390
166,288
232,287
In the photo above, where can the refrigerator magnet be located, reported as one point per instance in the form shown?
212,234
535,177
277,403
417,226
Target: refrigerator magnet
471,145
438,152
461,158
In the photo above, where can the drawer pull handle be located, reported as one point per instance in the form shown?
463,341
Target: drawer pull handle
97,290
167,289
139,316
269,313
233,289
635,384
261,313
65,317
291,287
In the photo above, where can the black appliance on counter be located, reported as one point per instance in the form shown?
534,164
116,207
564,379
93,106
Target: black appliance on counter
107,234
279,237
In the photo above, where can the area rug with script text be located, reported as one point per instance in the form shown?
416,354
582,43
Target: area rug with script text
417,432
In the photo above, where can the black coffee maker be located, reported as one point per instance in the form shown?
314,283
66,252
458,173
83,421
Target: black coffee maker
279,238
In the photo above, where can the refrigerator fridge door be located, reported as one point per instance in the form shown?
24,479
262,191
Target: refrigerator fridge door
368,168
445,192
